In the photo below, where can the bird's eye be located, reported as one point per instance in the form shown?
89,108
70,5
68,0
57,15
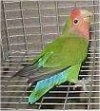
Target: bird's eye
75,21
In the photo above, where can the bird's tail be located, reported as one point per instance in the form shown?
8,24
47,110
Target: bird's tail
43,86
28,70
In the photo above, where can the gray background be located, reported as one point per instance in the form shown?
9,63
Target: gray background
26,27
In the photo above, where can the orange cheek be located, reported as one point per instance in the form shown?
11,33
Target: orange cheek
75,26
78,26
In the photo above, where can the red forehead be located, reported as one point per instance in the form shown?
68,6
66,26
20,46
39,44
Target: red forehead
75,13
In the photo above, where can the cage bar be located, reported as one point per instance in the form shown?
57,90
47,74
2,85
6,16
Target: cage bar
26,27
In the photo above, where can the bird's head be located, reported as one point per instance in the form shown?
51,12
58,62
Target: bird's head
80,21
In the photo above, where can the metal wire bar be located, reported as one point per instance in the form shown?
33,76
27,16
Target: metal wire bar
7,39
93,68
56,97
50,97
58,91
53,103
41,25
42,39
44,8
62,86
66,98
23,26
57,17
41,103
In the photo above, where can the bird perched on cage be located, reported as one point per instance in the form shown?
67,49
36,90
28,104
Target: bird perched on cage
60,61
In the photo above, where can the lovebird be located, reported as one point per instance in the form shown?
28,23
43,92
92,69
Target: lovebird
60,60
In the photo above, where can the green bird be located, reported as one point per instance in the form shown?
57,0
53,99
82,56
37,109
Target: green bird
60,61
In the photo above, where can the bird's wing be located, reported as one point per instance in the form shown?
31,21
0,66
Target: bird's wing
55,58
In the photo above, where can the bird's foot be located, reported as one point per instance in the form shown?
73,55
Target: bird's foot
82,83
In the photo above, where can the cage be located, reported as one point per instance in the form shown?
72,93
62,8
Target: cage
26,27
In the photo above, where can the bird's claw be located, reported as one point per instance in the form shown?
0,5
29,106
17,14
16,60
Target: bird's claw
82,83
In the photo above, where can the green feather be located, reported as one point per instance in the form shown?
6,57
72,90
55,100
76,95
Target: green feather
68,51
45,85
72,50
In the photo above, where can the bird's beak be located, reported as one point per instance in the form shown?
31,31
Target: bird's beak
86,15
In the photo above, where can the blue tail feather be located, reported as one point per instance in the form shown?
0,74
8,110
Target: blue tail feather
43,86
